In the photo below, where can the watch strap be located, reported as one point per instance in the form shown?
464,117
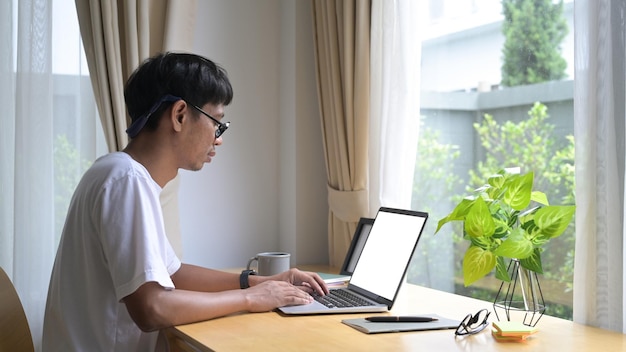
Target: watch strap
243,278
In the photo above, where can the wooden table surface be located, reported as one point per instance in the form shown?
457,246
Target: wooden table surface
272,331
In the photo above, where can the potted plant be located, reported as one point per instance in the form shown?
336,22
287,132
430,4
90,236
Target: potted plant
506,219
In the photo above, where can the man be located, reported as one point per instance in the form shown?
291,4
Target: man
116,280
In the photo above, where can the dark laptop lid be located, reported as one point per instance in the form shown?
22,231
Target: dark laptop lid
385,257
356,246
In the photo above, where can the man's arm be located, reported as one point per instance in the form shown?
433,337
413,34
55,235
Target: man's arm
196,278
152,307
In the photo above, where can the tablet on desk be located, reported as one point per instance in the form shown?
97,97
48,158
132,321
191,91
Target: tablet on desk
369,327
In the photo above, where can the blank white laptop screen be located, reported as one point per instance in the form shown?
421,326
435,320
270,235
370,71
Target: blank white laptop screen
389,247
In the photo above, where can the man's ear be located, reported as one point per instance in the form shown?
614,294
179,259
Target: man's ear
178,114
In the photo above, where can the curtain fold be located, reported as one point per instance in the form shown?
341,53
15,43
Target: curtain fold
368,62
29,107
342,44
97,20
118,36
600,115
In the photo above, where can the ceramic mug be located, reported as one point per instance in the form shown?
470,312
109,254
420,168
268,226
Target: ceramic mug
270,263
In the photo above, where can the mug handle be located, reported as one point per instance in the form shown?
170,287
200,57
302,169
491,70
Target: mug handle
250,262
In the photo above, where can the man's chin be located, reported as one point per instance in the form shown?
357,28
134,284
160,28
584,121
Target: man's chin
197,167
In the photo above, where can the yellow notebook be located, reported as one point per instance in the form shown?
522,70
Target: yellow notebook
512,331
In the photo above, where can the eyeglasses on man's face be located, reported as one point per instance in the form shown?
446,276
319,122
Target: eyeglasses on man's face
221,126
473,323
141,121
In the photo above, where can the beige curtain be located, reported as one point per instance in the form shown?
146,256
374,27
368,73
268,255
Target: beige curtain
342,46
118,35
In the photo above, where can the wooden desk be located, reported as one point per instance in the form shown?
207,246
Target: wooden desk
274,332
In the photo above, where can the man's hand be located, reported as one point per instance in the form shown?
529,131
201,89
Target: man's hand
272,294
292,287
307,281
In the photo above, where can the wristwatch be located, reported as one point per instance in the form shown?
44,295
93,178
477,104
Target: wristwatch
243,278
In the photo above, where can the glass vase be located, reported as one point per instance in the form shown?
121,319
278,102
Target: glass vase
520,299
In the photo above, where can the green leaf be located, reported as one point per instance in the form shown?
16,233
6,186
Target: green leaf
459,212
554,219
442,222
476,264
496,180
539,240
502,228
519,191
513,218
533,262
539,197
515,246
483,242
478,222
501,270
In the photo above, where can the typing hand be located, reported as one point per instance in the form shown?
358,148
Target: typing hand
273,294
307,281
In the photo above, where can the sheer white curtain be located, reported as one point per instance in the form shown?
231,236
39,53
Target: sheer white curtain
395,107
48,131
600,115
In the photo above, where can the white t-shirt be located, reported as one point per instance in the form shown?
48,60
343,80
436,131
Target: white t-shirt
113,242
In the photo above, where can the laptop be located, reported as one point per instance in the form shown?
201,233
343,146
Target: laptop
380,269
356,246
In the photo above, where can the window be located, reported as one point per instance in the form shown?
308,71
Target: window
78,135
49,134
461,79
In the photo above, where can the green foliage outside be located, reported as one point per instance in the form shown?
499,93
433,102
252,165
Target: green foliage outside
437,158
68,169
534,31
552,308
435,184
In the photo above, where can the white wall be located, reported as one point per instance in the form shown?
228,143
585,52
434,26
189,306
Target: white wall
266,188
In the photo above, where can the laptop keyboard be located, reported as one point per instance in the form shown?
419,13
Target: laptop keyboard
341,298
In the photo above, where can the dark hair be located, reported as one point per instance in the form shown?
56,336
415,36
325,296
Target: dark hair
194,78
